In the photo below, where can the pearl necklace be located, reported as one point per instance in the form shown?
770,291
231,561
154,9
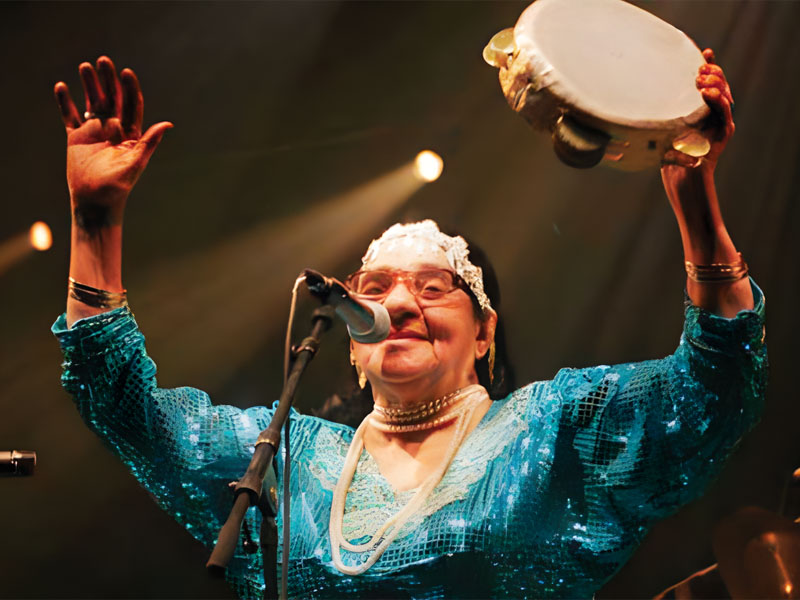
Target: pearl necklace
404,421
424,425
470,398
397,416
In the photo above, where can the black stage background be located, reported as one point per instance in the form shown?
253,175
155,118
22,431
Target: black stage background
280,107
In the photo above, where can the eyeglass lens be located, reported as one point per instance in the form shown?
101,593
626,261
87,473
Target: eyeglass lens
429,283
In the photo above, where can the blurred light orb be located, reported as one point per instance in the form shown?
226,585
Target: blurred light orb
40,236
428,165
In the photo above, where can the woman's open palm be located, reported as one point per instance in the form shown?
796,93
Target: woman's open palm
106,150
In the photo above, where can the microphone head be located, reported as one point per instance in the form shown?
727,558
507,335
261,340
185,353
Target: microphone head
380,329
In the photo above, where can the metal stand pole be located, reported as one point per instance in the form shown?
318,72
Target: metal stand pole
249,489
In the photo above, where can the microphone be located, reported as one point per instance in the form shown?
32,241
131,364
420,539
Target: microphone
17,462
367,322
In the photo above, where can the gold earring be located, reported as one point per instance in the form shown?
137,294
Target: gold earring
362,378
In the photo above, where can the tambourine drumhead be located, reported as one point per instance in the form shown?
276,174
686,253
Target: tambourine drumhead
605,64
612,60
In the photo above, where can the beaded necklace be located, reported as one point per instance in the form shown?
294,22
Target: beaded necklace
469,399
394,420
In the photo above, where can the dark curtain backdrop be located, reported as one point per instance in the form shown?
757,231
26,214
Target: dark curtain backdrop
280,108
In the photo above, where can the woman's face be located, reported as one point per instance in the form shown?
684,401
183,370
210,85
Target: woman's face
432,344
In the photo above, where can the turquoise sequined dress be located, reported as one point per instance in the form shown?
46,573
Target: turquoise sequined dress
547,497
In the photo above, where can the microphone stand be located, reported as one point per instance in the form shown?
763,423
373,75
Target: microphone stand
248,491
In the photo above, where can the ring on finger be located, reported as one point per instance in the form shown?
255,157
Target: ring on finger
93,115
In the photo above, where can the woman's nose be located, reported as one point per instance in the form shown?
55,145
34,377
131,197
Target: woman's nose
400,301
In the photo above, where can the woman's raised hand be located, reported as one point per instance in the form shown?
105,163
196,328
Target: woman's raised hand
719,128
689,184
106,150
106,154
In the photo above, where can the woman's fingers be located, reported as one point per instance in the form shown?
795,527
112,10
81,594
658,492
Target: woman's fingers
116,100
149,141
704,81
712,68
715,81
714,88
132,103
110,87
154,134
721,105
95,99
69,113
716,92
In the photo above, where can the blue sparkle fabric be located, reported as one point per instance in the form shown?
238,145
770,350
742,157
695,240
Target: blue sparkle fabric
547,497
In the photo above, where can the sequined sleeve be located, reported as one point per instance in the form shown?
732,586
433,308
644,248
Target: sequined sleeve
650,436
180,447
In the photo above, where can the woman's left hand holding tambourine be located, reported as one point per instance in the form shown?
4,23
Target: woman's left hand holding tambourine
689,184
719,128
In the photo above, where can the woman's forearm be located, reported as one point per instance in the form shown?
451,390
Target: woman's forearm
95,256
705,239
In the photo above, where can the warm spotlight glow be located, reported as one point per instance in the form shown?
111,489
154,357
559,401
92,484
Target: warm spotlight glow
260,262
428,165
40,236
788,589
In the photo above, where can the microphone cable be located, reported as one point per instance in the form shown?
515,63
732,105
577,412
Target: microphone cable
287,354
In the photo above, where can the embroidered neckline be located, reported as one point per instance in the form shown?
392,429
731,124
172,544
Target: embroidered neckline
370,465
372,498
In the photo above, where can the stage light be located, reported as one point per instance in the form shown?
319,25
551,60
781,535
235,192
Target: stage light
428,166
40,236
14,249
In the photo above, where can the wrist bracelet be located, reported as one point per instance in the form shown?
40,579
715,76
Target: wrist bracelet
717,272
95,297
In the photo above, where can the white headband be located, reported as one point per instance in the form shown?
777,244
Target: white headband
455,249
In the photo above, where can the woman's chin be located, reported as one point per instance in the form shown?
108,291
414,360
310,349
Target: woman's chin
402,369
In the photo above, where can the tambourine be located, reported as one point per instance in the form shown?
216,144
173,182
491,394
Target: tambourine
610,81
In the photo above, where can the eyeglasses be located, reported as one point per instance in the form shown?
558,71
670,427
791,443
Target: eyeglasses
428,284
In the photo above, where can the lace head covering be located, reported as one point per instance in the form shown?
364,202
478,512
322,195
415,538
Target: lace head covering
427,232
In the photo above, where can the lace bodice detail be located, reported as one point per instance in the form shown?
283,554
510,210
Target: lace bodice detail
371,499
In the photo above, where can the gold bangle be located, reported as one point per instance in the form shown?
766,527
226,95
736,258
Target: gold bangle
269,437
717,272
95,297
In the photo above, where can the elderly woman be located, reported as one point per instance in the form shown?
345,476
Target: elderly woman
441,491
